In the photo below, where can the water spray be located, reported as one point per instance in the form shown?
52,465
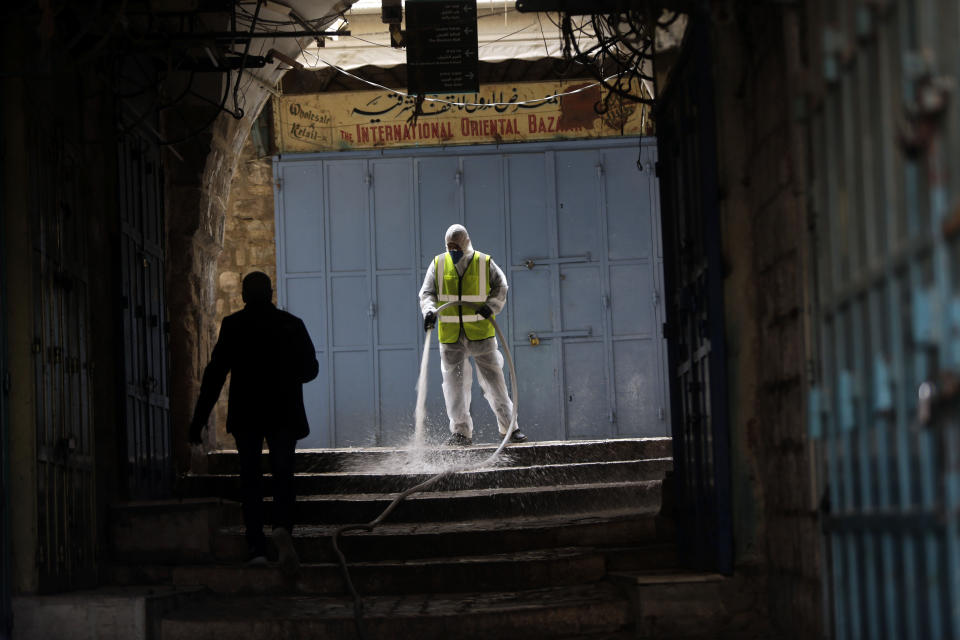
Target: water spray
419,418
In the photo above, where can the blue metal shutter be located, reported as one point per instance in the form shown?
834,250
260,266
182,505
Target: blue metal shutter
573,228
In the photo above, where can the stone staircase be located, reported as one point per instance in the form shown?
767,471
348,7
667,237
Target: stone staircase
557,540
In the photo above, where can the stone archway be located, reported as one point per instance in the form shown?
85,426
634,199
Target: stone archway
198,185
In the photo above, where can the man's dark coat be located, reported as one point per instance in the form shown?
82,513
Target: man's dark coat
269,355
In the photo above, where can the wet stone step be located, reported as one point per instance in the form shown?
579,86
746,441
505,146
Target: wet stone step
431,506
531,454
497,572
169,530
398,540
390,479
539,613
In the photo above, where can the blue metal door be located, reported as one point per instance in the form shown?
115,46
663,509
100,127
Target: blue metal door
302,259
884,405
350,304
484,217
573,226
397,281
533,296
439,204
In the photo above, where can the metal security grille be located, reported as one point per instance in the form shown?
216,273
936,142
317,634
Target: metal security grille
693,277
886,181
66,527
149,467
6,615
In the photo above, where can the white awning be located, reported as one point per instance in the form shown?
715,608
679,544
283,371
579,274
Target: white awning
504,34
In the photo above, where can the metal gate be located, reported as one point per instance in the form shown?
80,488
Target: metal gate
573,225
885,148
66,526
6,622
148,462
695,326
6,615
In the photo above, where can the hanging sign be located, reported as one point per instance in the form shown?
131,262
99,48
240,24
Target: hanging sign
442,47
498,113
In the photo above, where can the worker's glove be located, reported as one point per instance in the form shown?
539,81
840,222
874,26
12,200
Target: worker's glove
196,432
485,311
429,321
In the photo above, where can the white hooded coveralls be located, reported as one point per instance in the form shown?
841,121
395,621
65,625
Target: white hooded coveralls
457,374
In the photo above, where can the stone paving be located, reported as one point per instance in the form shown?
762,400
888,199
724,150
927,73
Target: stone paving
538,613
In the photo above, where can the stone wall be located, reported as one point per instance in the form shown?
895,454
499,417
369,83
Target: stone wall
248,245
762,180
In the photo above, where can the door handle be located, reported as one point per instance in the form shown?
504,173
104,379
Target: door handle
535,336
530,263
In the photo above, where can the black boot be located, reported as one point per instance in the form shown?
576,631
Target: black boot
459,440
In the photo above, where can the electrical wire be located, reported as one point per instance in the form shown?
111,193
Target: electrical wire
487,44
243,61
663,24
546,48
371,42
208,122
454,103
624,42
252,77
183,94
79,34
304,52
387,33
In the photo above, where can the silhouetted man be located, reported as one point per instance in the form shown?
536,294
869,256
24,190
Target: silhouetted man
269,355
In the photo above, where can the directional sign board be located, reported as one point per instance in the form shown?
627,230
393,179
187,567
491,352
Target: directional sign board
442,46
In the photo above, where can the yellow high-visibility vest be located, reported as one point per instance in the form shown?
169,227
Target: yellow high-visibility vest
473,286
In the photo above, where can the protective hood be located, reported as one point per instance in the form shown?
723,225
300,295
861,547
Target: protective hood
458,233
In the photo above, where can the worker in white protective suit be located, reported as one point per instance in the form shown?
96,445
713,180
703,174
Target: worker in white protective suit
470,276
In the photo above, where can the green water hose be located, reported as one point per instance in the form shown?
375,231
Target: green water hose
426,484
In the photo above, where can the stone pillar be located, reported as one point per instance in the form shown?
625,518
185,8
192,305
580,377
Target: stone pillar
763,204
